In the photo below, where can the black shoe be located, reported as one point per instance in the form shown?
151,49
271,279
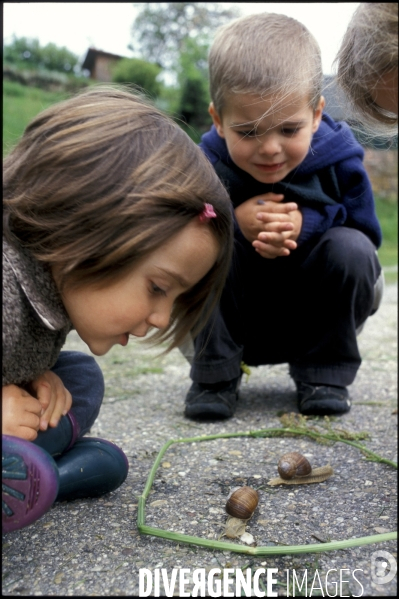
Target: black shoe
321,400
217,400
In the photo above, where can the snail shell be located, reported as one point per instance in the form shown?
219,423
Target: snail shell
293,464
242,503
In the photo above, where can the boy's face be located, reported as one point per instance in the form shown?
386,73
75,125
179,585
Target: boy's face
142,299
267,148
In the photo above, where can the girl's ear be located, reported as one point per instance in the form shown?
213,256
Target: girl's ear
217,121
318,113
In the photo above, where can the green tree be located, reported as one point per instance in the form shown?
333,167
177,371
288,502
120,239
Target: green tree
193,59
193,81
59,59
139,72
27,53
160,29
194,107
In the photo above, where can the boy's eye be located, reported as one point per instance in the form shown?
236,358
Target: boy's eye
289,130
157,290
251,133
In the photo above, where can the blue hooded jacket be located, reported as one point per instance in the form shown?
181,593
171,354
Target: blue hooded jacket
331,185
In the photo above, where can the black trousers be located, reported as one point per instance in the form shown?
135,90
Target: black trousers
302,309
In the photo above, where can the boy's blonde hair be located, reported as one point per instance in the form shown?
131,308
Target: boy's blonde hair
368,50
264,54
101,180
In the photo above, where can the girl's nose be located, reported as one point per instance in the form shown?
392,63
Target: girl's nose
159,319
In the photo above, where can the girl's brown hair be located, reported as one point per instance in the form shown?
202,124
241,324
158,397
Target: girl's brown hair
369,49
104,178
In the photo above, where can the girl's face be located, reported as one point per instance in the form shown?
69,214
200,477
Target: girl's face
384,91
143,298
267,147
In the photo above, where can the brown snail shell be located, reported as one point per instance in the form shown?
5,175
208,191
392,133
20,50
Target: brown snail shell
293,464
242,503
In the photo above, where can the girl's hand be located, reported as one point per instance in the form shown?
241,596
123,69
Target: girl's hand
21,413
54,399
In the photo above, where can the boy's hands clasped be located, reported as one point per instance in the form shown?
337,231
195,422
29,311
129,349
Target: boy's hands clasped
25,412
269,224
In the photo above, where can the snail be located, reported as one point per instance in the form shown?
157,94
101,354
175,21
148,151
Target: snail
240,506
295,469
242,503
293,464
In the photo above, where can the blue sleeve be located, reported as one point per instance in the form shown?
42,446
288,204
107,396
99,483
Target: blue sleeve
356,209
357,197
316,222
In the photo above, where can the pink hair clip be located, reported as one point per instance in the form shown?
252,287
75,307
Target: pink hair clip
207,213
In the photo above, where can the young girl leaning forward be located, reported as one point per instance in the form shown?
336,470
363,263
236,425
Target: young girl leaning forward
114,224
367,63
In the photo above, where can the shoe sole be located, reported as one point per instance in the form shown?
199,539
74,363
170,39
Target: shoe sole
326,408
29,483
208,411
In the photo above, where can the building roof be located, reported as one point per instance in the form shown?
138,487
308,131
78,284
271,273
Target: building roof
92,54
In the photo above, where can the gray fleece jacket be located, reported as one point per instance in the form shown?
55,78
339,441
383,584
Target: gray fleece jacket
35,323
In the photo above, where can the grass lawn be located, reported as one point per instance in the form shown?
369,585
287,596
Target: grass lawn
387,213
21,103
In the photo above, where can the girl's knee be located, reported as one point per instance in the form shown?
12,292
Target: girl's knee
71,363
84,379
81,375
93,371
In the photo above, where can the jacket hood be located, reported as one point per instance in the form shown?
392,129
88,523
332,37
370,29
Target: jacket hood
333,142
38,285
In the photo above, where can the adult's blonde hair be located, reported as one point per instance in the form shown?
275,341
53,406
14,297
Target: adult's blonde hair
101,180
369,49
265,54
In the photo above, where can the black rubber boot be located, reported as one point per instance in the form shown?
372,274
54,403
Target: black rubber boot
61,438
91,468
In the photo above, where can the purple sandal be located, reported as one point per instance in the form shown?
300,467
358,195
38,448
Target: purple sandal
30,483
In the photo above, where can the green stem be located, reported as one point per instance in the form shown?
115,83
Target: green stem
268,550
150,480
332,437
257,551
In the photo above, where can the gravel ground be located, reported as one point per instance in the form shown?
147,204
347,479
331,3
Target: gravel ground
93,547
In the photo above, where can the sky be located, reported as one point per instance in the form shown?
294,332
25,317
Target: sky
107,25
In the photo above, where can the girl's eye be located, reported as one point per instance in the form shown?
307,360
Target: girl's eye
157,290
